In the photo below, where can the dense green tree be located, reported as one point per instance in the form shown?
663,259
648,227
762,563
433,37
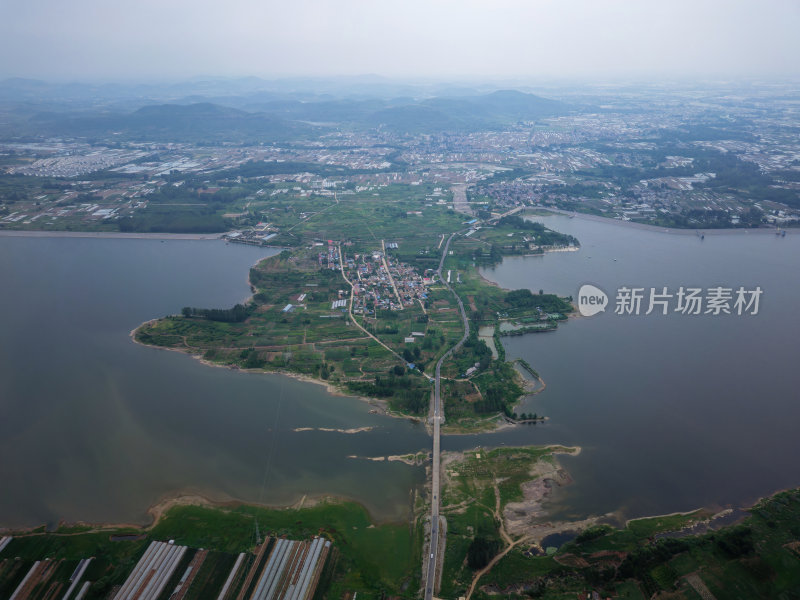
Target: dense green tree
481,551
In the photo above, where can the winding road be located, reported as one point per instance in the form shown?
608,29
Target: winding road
350,307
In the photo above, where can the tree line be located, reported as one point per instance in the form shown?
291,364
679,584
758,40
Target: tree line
237,314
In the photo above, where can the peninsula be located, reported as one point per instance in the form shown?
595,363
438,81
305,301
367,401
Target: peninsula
367,301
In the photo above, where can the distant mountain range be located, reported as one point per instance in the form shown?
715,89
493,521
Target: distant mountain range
200,122
246,113
467,113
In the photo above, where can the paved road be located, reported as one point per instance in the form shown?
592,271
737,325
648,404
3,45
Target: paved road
438,417
350,308
460,203
389,275
505,214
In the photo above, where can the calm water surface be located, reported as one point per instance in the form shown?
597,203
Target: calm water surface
97,428
676,411
672,412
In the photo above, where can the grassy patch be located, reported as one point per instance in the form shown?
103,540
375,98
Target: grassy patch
373,557
469,501
650,526
370,558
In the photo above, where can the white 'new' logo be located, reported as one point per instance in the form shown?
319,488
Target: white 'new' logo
591,300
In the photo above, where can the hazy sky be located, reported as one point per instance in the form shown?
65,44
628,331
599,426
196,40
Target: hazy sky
596,39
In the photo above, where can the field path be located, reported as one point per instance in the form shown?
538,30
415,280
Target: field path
350,308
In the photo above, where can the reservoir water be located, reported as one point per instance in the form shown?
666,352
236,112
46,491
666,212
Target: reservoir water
672,412
94,427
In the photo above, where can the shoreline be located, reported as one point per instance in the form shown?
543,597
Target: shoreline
158,510
677,513
534,500
41,233
381,406
496,423
658,228
717,510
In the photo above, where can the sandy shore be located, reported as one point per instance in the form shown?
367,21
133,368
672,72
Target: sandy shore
332,430
109,235
159,509
485,280
380,406
413,460
529,519
685,513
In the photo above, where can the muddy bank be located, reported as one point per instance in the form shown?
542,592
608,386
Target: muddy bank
333,430
529,518
413,460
